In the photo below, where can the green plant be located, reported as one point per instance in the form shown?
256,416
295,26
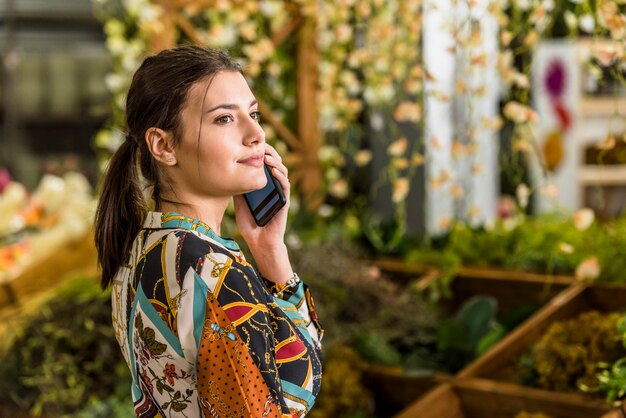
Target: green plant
358,303
570,354
459,339
612,380
66,355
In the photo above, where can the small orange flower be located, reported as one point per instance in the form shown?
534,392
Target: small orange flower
170,373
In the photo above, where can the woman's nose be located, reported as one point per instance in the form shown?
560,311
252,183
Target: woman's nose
254,132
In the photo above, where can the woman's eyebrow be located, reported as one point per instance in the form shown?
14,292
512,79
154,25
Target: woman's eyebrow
230,106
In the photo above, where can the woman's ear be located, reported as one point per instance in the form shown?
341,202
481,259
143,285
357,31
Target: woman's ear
160,144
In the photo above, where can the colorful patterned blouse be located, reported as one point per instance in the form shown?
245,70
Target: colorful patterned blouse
204,335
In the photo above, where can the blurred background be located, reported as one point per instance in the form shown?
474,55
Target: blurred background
460,167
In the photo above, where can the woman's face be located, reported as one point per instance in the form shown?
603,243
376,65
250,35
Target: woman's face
222,148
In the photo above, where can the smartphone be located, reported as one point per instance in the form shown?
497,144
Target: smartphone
266,202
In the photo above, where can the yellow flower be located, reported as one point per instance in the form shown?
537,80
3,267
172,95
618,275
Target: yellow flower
408,112
531,39
398,148
417,159
363,157
400,163
456,191
505,38
400,189
445,223
339,188
519,113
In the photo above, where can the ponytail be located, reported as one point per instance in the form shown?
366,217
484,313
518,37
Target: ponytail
121,210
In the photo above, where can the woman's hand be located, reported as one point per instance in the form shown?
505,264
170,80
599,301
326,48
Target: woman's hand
267,243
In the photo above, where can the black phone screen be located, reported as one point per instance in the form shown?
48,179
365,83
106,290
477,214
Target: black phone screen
265,202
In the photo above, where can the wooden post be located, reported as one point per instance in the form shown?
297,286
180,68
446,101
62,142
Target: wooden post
308,130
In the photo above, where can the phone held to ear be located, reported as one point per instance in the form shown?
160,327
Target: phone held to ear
266,202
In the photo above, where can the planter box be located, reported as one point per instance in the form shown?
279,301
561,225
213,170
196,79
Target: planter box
481,389
511,288
479,398
393,389
573,301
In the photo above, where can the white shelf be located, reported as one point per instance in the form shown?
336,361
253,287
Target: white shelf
614,175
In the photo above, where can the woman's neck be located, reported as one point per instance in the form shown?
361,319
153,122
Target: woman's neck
210,211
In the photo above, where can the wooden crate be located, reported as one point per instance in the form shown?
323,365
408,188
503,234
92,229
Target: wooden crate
570,303
480,398
511,288
393,389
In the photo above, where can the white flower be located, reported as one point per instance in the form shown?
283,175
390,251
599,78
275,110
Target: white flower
588,269
523,4
587,23
522,194
548,5
269,8
224,36
583,218
377,122
325,211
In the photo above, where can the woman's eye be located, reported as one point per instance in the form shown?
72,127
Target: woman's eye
256,116
224,119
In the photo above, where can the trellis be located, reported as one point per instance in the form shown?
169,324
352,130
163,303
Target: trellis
302,159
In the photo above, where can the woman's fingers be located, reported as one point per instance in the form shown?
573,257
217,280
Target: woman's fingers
273,159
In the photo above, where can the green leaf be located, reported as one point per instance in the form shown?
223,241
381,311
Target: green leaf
179,406
476,316
160,386
490,339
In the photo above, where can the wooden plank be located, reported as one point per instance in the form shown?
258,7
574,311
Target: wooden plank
607,175
287,29
394,389
441,402
307,60
486,398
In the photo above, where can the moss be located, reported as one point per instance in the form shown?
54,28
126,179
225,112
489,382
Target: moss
571,352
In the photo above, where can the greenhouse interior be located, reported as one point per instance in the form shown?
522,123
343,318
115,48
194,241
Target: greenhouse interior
452,175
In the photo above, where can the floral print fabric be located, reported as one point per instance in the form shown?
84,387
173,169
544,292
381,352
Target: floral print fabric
204,335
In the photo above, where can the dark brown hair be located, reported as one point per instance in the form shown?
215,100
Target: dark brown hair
156,97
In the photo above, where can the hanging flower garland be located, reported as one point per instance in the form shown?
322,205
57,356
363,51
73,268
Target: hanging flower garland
369,68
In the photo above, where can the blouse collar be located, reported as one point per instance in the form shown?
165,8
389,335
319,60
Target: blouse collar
174,220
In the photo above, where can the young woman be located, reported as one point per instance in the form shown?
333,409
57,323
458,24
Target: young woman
202,331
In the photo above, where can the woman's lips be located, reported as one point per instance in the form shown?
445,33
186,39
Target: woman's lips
255,161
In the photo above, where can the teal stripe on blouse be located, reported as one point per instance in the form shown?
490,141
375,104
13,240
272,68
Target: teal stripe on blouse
179,221
200,291
292,313
298,392
153,315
